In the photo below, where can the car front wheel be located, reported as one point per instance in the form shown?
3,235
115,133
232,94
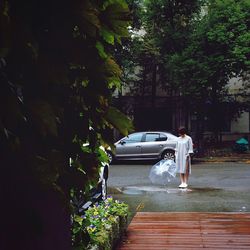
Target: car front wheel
110,156
168,155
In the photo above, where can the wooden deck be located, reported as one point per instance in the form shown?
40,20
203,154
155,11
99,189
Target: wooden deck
175,231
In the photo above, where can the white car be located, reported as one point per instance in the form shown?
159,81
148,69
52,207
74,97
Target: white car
103,176
99,192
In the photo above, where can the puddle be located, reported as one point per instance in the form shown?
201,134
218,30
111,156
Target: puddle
198,199
178,190
206,189
132,191
140,190
243,209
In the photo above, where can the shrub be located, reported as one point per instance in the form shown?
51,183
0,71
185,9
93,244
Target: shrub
104,221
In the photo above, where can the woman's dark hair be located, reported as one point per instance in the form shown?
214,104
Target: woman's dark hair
182,130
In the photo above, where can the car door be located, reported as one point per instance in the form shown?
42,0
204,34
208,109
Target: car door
152,145
129,147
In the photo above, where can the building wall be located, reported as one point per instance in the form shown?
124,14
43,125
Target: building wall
241,125
169,111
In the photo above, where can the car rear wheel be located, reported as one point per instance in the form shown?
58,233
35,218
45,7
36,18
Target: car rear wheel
168,155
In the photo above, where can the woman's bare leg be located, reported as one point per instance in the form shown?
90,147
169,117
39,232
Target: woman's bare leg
182,176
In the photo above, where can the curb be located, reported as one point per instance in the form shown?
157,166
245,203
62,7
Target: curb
221,160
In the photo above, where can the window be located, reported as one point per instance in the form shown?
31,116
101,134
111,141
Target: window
152,137
162,138
133,138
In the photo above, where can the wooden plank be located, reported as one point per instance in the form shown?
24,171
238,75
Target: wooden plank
193,230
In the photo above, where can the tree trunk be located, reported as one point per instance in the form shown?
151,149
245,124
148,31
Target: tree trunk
154,83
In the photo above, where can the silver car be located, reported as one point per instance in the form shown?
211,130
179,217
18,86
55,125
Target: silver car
145,146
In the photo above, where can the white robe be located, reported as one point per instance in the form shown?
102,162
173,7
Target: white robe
184,147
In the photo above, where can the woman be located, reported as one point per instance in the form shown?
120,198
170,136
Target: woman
183,151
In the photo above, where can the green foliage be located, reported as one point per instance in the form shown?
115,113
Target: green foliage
167,26
217,51
57,77
101,51
194,47
117,118
98,221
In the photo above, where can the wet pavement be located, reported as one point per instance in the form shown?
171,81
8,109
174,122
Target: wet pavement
213,187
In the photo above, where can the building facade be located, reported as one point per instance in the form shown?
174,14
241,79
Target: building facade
167,111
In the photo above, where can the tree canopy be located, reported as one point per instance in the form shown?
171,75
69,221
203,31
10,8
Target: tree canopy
217,51
198,46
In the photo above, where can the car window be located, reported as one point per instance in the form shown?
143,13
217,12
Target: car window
152,137
163,137
133,138
172,137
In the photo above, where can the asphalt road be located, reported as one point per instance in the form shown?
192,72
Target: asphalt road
214,187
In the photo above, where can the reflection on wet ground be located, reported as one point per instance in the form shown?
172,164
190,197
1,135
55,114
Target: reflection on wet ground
192,199
213,188
133,190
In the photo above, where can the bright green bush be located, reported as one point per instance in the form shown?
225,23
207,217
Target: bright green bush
103,221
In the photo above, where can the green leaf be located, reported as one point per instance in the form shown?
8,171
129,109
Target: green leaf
116,18
107,35
114,82
111,68
102,156
122,3
78,219
101,50
119,120
91,14
89,21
